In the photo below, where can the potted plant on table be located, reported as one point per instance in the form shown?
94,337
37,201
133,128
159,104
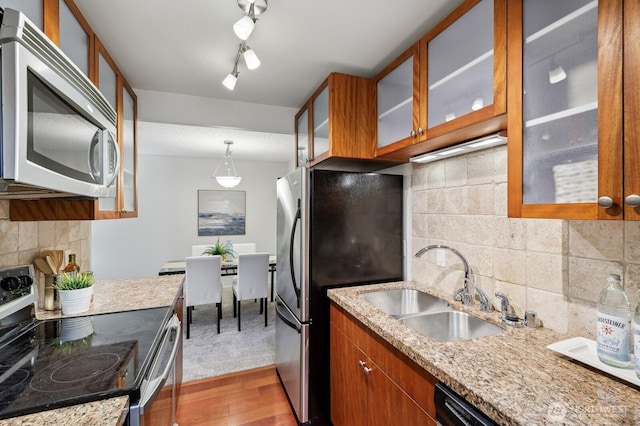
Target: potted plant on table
75,289
222,250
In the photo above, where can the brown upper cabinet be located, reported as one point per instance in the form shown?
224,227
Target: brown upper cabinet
336,123
447,88
572,120
64,24
333,123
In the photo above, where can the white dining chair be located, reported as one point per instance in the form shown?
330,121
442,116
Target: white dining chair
203,285
251,282
199,249
244,248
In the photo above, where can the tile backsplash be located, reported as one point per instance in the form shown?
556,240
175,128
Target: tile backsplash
554,267
21,242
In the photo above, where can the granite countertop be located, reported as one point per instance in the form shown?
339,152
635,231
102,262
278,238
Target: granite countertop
108,412
126,295
108,296
512,377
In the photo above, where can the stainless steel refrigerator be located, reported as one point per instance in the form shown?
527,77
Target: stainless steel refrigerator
334,229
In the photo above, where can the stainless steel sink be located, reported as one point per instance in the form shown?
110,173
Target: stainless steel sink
401,302
451,326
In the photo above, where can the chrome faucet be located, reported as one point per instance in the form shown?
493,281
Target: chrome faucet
464,294
508,316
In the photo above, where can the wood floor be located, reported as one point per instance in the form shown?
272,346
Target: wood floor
254,397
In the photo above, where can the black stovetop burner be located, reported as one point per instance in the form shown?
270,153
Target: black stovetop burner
67,361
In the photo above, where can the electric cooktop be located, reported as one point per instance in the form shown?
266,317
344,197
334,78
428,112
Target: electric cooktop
68,361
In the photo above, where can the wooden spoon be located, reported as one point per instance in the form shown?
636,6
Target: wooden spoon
42,265
59,260
51,263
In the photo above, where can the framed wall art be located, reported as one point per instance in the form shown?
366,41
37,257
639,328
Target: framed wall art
221,212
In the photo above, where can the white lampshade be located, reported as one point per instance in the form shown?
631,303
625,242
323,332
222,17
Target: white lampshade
251,58
244,27
556,73
478,103
228,181
230,81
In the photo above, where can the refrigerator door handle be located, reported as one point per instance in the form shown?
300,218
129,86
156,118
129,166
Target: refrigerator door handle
285,319
293,235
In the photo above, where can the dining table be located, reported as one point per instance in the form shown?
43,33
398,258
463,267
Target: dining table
228,267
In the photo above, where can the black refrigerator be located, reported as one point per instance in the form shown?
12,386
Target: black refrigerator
334,229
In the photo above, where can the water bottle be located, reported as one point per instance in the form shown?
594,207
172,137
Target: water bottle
636,340
613,329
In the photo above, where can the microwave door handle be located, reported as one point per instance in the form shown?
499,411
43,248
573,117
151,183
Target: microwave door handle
111,176
95,172
155,384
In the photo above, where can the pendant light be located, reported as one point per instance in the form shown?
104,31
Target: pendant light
229,180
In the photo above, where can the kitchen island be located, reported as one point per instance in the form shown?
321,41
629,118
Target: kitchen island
109,296
511,377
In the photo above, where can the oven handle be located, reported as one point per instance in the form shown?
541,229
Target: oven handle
153,386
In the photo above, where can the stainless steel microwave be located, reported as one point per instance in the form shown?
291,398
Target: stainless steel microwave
57,129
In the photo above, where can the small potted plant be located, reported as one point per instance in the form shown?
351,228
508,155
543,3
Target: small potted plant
75,289
222,250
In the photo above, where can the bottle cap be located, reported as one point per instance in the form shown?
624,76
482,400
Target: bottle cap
614,276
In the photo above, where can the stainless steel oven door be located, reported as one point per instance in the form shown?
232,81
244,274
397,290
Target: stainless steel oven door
161,370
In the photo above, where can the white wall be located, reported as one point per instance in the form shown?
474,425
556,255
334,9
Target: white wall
166,226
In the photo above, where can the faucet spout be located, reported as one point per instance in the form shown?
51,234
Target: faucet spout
465,294
423,250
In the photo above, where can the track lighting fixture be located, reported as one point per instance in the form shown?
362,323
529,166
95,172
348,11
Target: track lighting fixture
243,29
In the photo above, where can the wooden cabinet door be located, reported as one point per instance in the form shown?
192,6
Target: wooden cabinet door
565,110
389,404
303,155
129,153
371,383
398,103
631,109
348,381
466,67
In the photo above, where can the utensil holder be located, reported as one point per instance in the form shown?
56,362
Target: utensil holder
51,295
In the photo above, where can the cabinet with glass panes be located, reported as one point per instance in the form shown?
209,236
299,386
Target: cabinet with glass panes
565,116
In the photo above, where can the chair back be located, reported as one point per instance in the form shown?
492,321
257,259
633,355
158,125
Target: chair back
243,248
202,280
252,280
198,250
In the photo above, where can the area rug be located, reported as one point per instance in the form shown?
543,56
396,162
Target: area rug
209,354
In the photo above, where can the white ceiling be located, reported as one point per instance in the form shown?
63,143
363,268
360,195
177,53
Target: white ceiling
188,47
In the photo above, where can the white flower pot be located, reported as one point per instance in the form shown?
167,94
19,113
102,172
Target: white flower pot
75,301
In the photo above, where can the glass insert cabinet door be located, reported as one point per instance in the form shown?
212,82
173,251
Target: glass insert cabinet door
302,134
321,123
560,101
395,104
129,151
460,65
